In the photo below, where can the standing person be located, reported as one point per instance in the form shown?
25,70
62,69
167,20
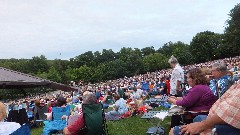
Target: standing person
177,77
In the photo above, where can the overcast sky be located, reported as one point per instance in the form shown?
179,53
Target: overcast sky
64,29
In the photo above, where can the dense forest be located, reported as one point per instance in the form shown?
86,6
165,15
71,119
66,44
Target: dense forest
107,64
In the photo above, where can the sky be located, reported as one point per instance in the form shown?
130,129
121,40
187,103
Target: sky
64,29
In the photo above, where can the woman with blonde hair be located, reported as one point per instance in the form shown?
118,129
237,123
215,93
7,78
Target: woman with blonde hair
3,113
6,128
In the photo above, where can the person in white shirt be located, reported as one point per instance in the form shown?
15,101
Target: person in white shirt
6,128
177,77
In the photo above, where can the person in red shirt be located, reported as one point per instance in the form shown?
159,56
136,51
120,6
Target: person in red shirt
168,86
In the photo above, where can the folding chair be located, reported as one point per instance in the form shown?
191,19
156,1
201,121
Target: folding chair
39,115
19,116
187,117
23,130
182,117
58,112
94,118
56,124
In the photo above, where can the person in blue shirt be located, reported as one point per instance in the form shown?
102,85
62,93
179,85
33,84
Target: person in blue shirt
162,87
221,81
119,108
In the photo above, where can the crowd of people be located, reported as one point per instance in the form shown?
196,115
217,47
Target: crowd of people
197,87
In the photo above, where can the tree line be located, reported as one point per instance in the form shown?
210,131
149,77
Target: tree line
107,64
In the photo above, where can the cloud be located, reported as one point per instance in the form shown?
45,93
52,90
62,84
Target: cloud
32,28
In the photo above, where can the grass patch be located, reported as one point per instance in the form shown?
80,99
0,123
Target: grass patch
128,126
36,131
134,126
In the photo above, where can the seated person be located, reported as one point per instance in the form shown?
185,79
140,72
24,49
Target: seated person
98,93
120,91
162,87
119,108
61,102
221,81
6,128
39,110
135,94
224,112
56,125
107,99
137,99
75,128
199,98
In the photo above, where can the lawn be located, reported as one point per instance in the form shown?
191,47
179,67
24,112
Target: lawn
128,126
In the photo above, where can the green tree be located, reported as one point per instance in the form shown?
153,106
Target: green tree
108,55
15,64
232,34
132,59
204,46
156,61
166,49
147,50
83,73
54,75
20,65
179,49
60,66
115,69
37,65
86,58
182,53
109,70
70,75
97,58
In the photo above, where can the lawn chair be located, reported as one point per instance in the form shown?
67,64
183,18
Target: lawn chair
23,130
182,117
94,117
19,116
57,124
39,115
187,117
